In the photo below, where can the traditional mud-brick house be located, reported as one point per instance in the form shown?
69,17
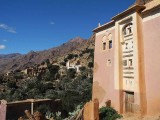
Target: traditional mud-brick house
127,59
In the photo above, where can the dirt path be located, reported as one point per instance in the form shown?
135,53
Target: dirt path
130,116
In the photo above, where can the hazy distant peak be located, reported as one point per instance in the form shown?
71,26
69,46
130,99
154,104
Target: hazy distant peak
32,52
9,55
77,39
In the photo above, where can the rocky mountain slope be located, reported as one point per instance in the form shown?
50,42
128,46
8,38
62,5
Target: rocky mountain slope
16,61
2,56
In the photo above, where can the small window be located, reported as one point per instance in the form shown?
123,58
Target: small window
104,42
104,46
124,62
124,32
110,44
130,62
127,30
126,45
109,62
130,30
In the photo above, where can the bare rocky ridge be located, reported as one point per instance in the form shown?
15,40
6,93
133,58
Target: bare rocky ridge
9,55
16,61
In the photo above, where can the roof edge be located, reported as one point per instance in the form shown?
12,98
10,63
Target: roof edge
151,9
135,7
104,26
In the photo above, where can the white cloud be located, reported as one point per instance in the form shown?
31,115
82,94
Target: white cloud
7,28
5,40
2,47
52,23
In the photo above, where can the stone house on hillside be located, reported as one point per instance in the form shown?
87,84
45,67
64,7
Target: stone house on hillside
127,60
28,71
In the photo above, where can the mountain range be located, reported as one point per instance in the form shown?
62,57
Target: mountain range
12,62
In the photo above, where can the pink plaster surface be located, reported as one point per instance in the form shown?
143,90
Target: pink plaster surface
151,35
3,112
104,75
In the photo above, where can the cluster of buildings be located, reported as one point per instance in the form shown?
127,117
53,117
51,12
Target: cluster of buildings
127,60
30,71
35,71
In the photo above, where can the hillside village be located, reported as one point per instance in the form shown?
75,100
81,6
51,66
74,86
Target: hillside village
111,76
54,78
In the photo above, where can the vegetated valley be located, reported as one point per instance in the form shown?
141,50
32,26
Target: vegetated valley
63,73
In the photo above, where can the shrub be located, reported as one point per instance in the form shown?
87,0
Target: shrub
65,60
43,108
53,69
74,113
70,56
47,61
11,84
75,55
58,116
90,64
82,69
71,73
18,75
63,63
108,113
80,55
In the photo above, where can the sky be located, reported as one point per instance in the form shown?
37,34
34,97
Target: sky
37,25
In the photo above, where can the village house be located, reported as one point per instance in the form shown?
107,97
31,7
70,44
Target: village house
127,59
35,71
28,71
9,74
74,66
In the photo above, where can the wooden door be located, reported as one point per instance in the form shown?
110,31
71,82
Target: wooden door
129,100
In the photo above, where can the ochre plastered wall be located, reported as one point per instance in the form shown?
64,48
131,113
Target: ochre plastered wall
140,56
103,82
151,35
133,18
107,81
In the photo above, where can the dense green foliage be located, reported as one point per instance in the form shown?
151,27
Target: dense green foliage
108,113
72,88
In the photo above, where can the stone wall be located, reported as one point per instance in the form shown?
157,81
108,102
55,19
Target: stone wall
91,110
3,111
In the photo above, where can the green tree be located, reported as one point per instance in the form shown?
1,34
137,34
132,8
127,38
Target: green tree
1,78
71,73
53,69
75,55
12,84
47,61
18,75
70,56
90,64
65,60
63,63
82,69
